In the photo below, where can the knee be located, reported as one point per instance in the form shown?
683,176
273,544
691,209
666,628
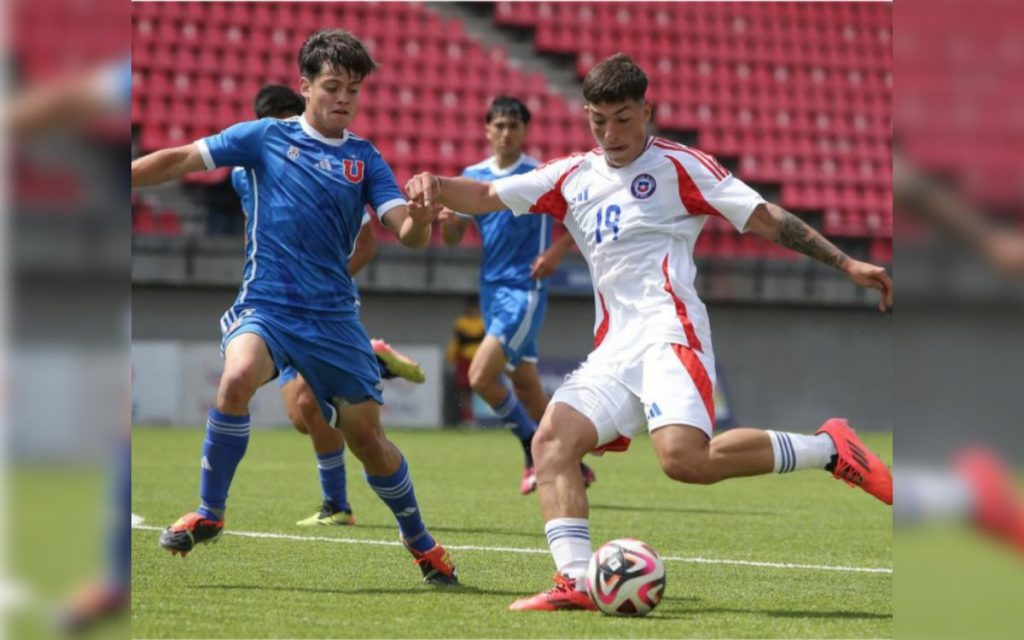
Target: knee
551,447
365,442
477,380
236,389
308,408
688,470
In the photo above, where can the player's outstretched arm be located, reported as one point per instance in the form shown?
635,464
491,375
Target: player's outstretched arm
459,194
411,224
774,223
167,164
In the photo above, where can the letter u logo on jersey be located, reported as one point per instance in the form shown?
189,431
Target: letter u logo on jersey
353,170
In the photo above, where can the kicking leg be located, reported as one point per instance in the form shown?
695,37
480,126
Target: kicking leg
686,455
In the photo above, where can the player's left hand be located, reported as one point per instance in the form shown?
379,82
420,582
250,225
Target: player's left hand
424,214
543,266
873,276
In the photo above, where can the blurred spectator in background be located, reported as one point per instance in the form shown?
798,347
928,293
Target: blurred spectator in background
469,333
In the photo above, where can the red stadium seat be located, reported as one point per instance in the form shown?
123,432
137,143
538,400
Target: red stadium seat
803,103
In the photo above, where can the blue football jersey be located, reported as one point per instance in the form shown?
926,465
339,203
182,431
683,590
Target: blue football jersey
510,243
304,197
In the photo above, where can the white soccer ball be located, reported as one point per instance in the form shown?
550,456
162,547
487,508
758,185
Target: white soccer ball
626,577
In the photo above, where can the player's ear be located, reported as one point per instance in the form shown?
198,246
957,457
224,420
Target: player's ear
305,86
648,110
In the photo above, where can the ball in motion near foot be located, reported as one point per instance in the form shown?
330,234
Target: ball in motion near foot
626,577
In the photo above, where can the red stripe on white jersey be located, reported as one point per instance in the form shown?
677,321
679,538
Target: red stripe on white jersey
709,162
690,193
699,375
617,445
553,202
684,318
602,329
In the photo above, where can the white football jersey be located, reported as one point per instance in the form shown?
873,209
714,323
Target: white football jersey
637,227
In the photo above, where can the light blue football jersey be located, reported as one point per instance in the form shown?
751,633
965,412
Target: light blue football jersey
510,243
304,197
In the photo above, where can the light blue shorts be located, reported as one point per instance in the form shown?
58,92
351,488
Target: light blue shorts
514,316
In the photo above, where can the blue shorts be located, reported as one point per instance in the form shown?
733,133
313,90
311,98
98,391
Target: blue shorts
514,316
288,374
333,356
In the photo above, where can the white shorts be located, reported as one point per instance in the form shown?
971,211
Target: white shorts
663,384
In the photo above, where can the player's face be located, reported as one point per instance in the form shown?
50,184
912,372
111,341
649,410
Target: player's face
620,129
506,135
332,99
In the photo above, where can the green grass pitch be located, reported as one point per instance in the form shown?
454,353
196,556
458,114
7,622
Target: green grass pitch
356,582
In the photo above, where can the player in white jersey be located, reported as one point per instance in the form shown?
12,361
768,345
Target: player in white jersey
635,206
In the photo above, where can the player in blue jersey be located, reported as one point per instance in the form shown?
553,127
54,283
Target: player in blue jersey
518,256
311,180
307,415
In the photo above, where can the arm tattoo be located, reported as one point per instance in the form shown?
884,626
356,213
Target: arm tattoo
797,235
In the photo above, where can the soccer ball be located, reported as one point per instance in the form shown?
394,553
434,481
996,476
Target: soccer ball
626,577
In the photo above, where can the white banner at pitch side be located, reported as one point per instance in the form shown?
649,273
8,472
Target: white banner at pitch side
175,383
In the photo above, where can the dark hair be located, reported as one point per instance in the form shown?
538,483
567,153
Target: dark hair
613,80
276,100
508,106
337,49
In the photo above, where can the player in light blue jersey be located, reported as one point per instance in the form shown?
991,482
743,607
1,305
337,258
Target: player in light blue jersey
518,257
308,415
297,307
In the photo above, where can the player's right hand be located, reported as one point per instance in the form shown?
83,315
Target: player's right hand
423,189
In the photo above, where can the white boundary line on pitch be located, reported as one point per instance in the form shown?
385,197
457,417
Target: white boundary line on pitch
467,547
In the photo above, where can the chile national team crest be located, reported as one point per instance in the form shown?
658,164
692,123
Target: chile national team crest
643,186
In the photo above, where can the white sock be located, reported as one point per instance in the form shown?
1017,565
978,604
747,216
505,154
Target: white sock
569,541
925,495
797,451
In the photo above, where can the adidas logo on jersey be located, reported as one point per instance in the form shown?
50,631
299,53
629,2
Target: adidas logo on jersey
582,196
325,164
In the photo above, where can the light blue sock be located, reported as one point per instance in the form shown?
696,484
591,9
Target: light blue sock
227,438
397,492
332,478
511,410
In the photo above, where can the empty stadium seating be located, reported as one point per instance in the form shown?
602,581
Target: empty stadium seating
197,67
798,94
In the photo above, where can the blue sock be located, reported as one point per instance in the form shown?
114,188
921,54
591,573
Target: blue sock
512,411
332,478
396,491
226,440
